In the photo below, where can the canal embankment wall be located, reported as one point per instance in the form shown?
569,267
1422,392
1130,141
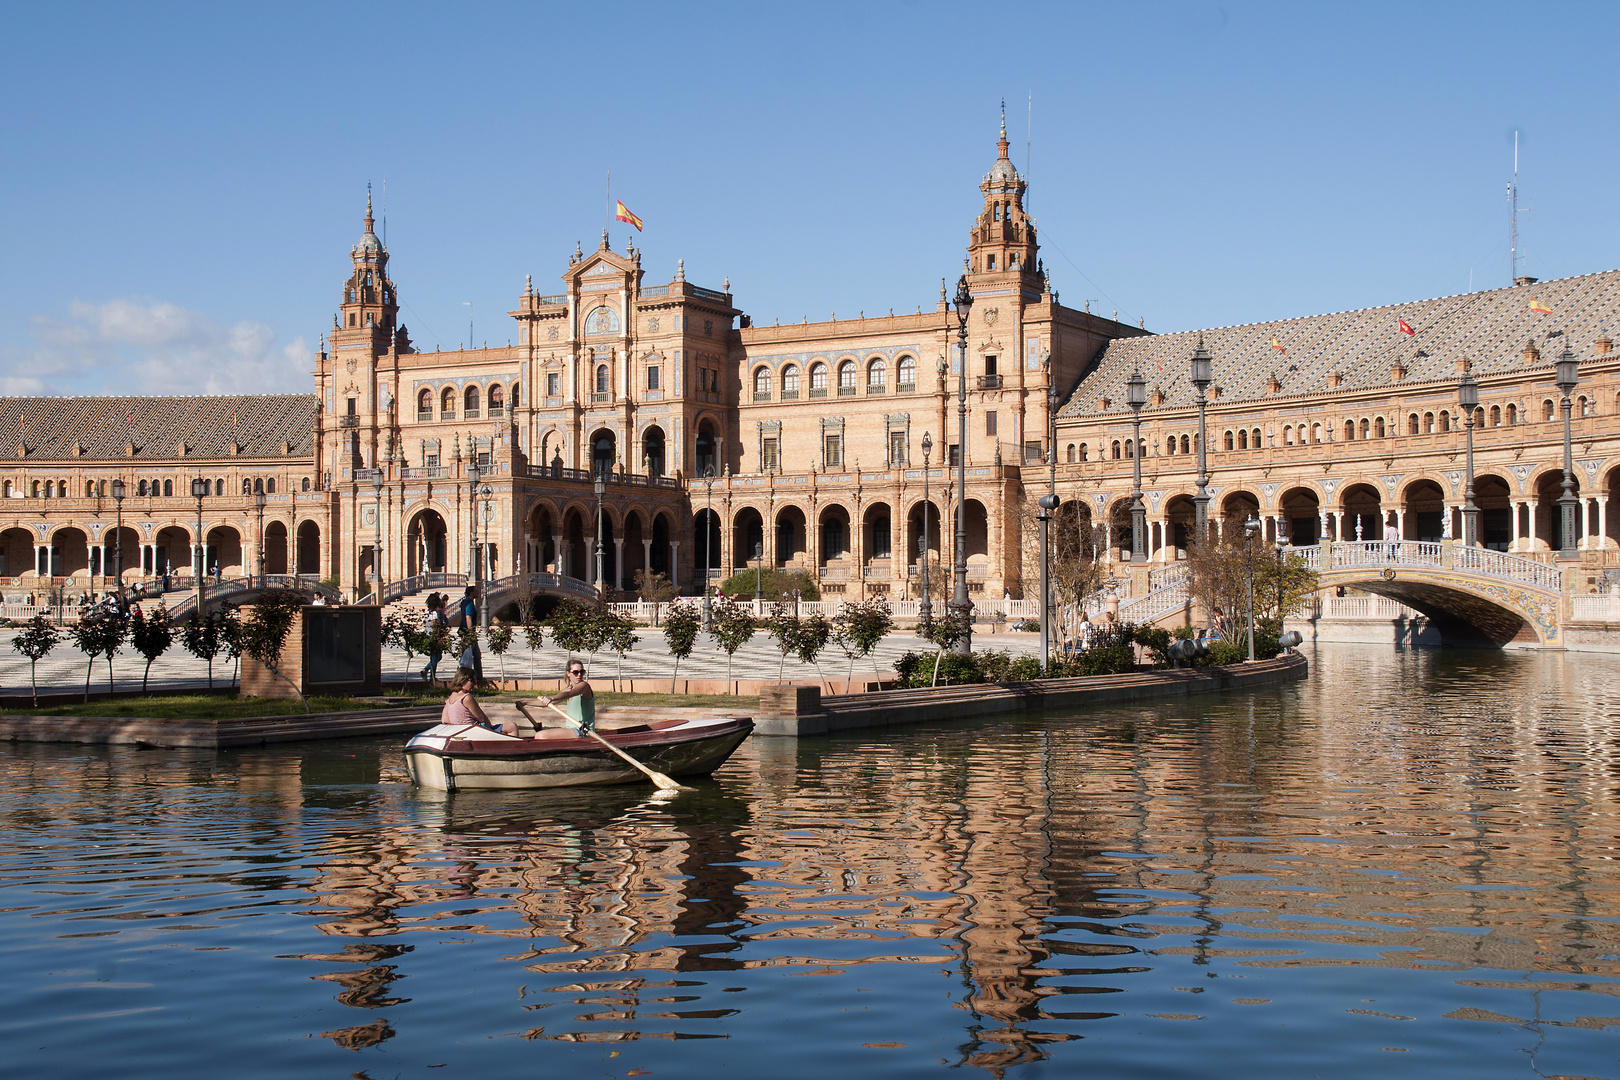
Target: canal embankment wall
796,711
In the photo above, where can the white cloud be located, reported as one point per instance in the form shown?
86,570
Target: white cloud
150,347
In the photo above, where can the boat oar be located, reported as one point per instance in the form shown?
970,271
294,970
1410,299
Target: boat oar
652,774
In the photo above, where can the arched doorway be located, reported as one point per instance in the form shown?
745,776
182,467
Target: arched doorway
307,556
1236,508
541,547
747,538
123,553
878,537
706,544
17,553
637,554
1548,532
1425,513
171,551
652,451
1495,501
790,537
1180,521
222,556
1302,514
660,549
426,543
604,452
834,526
706,460
914,535
1363,513
275,548
978,540
70,552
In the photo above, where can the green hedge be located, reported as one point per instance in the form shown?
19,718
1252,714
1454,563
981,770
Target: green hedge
773,584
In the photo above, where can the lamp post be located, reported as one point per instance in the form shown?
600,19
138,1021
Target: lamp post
259,499
118,490
708,537
483,601
474,474
1569,373
1468,397
1047,504
759,573
1251,530
1202,375
1136,397
600,485
378,479
292,537
960,605
925,613
199,488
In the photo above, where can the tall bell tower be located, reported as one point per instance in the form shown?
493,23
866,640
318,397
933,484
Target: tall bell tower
370,309
1002,241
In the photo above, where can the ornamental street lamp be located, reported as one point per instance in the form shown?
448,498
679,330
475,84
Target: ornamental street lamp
199,488
708,537
600,484
1251,531
1569,373
474,474
118,490
259,499
378,479
1468,397
759,573
292,537
1136,397
483,605
1202,375
960,605
926,612
1047,504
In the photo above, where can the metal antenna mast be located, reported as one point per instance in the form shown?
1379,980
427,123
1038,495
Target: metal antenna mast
1513,200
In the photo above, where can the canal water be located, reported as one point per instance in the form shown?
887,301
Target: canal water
1405,866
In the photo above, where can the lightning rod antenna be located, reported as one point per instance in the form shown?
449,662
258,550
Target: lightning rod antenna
1513,199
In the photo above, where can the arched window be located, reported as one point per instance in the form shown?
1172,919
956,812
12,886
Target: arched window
219,486
1116,449
1445,420
89,489
247,486
1479,416
1170,445
168,489
1378,428
1316,433
1130,448
140,488
762,384
1186,445
601,378
514,396
1288,435
846,378
258,484
1254,438
1243,440
818,379
1547,409
1366,427
1084,452
497,400
470,402
877,377
1412,425
424,405
1582,406
270,486
1070,455
1349,430
1496,416
907,374
1229,443
790,383
447,404
305,484
1428,423
1512,415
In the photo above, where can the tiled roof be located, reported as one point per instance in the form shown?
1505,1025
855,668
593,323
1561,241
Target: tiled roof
1489,328
51,428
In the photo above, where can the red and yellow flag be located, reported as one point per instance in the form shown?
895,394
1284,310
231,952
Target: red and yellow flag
1275,344
623,214
1538,308
1406,327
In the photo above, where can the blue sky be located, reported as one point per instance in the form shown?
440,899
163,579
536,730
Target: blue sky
182,183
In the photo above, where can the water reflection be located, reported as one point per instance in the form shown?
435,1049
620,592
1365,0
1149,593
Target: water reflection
1411,853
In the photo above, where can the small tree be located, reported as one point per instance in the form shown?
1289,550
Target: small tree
400,630
263,635
681,628
859,627
942,633
570,627
534,636
466,638
99,637
204,638
151,635
783,626
814,630
230,632
36,639
731,626
500,639
621,638
656,590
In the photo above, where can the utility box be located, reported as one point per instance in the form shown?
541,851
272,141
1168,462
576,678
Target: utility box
330,651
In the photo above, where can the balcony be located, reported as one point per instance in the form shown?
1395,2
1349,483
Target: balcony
424,415
790,395
426,472
875,388
989,382
762,395
448,414
601,397
349,421
846,391
496,412
818,391
905,388
470,414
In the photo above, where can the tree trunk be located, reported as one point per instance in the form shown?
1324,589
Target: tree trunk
33,680
673,674
87,673
146,675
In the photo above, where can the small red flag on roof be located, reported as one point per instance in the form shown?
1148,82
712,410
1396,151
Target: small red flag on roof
131,419
1406,327
1538,308
1275,344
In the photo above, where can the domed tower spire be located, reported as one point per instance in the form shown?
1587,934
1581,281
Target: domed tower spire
1002,240
369,304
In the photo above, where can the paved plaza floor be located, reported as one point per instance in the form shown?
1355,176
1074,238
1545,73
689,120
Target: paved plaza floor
177,669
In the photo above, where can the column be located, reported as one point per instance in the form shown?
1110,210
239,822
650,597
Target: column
1516,505
646,560
1400,520
674,564
1603,522
618,562
1323,534
42,560
1338,524
558,563
1108,539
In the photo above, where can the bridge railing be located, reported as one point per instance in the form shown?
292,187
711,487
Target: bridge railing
1352,554
1595,607
394,590
1512,567
1428,554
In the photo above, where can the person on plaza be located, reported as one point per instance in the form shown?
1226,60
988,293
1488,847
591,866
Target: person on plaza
466,616
581,706
1086,631
434,626
462,708
1392,536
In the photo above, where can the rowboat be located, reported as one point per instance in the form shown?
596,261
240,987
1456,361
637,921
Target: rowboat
456,757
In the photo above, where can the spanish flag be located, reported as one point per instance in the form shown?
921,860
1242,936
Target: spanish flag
1405,327
1538,308
623,214
1275,344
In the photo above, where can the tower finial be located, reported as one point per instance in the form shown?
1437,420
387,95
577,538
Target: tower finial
369,219
1003,118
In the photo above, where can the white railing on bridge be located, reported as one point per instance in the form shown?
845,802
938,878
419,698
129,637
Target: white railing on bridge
1500,564
1158,602
1595,607
394,590
1430,555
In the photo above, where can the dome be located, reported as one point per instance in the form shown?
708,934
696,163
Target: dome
1003,170
368,244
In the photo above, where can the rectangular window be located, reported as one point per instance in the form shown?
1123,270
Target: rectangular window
834,452
553,384
652,378
1032,453
768,457
431,461
897,449
483,459
990,422
954,458
351,406
989,364
1032,354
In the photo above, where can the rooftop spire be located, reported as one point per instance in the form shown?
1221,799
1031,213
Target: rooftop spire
369,220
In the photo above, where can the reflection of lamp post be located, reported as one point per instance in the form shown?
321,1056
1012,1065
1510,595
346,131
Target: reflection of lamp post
708,536
199,488
118,490
259,499
960,605
1569,373
1202,375
1468,397
1047,504
377,482
1136,397
1251,530
926,612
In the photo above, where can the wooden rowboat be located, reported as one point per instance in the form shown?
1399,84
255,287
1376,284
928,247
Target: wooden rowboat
455,757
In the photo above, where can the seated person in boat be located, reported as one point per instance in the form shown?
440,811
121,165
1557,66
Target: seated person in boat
462,708
581,705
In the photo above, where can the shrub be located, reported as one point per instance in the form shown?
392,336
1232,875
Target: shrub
1157,642
773,583
1028,626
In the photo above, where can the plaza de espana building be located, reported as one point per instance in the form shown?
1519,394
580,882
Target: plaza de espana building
801,445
